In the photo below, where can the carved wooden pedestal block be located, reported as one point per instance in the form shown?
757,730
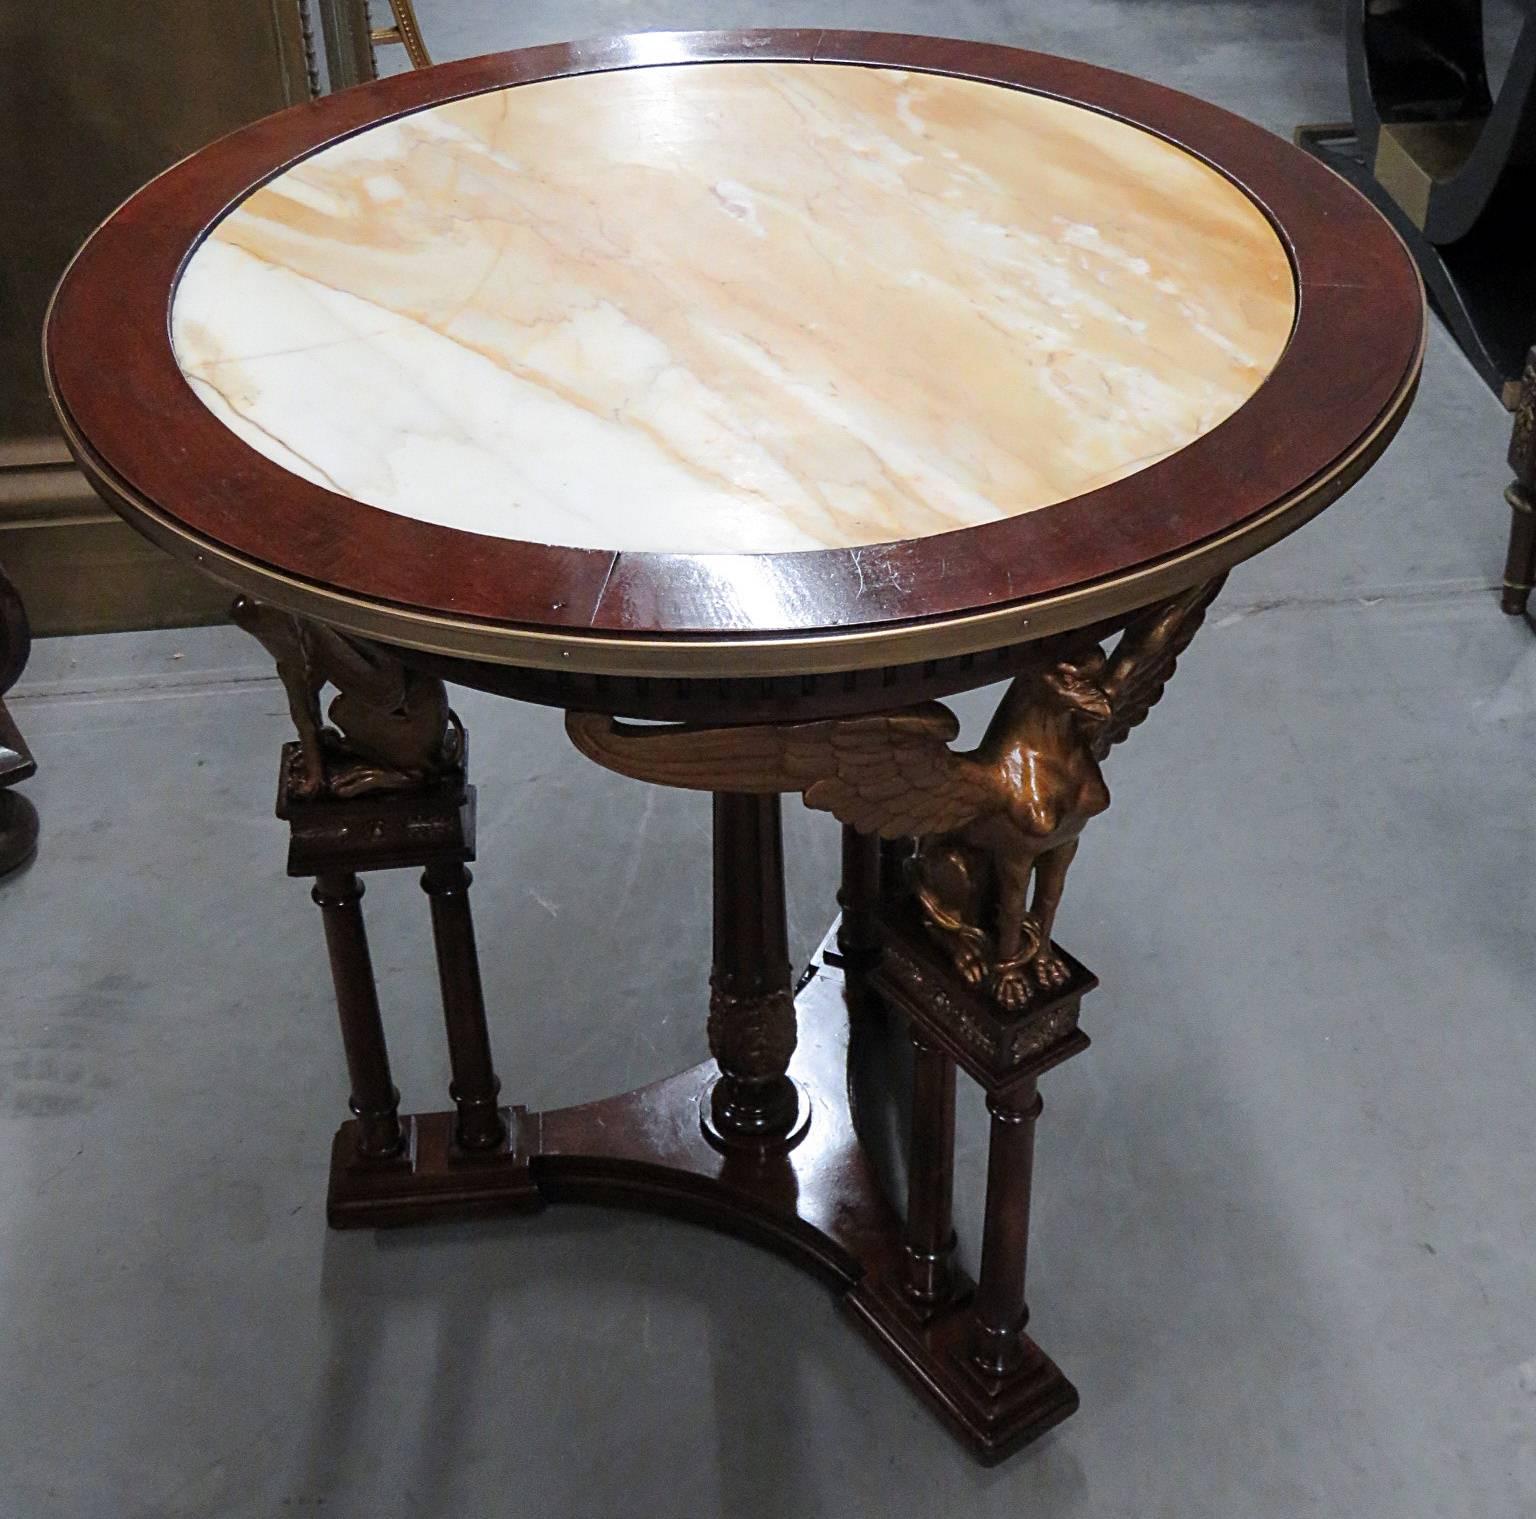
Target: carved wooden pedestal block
997,1049
386,1169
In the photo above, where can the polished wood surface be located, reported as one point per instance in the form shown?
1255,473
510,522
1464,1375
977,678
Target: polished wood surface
480,1126
929,1240
751,1003
375,1100
387,1167
1329,407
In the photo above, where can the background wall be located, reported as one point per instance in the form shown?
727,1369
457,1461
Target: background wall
96,97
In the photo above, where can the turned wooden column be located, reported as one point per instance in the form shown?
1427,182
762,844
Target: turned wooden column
857,936
339,893
930,1233
999,1313
751,1006
475,1086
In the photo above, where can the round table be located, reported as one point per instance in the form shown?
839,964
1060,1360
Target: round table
765,386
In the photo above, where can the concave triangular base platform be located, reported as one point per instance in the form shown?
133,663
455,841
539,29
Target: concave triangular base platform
815,1198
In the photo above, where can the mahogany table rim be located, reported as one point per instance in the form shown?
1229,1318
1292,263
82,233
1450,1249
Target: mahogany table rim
681,656
823,628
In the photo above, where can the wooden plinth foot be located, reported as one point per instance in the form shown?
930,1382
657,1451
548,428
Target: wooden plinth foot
431,1177
18,832
995,1416
812,1194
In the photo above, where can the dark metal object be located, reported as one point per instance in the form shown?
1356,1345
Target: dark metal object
18,817
1520,565
1447,163
375,1100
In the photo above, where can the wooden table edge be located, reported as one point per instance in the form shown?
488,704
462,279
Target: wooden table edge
616,612
696,656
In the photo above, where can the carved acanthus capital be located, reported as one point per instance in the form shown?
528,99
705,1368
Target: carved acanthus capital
752,1035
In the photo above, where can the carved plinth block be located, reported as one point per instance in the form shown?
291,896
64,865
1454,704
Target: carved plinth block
432,1177
383,830
996,1048
995,1416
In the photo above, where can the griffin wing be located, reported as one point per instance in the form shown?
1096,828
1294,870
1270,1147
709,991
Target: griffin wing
892,773
1144,660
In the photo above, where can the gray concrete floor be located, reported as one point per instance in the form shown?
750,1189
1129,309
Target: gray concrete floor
1286,1237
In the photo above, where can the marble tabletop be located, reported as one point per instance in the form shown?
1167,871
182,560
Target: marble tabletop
733,308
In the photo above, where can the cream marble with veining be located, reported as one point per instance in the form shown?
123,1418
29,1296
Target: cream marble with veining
733,307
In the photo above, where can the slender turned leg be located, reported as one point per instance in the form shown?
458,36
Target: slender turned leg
751,1007
856,934
930,1235
998,1313
374,1098
1520,566
475,1086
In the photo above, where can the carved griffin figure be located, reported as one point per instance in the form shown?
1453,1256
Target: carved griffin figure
393,726
987,822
